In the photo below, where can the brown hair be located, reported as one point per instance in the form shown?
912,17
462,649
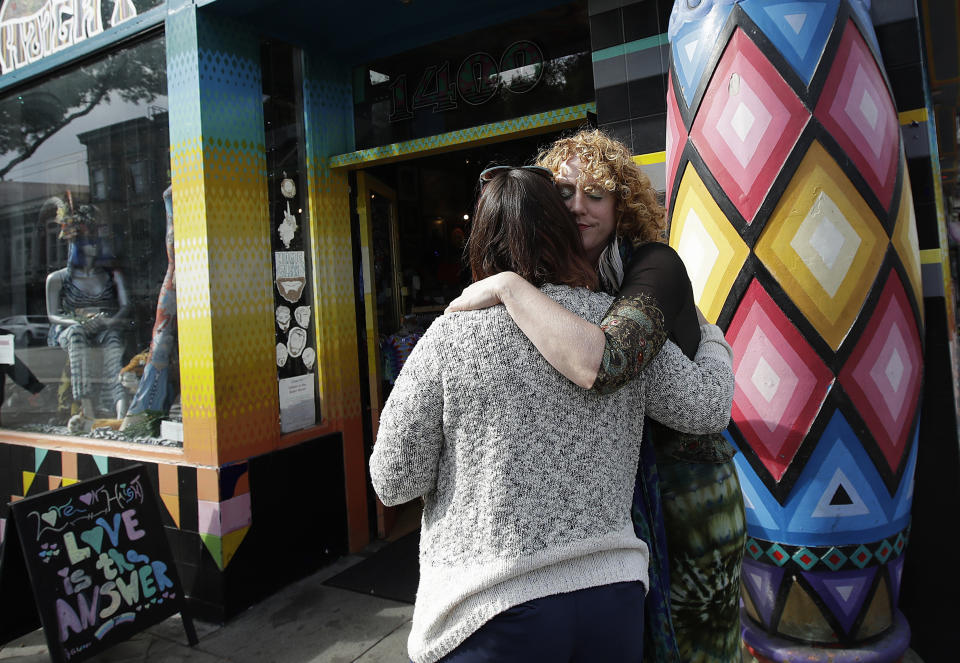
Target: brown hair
521,225
607,162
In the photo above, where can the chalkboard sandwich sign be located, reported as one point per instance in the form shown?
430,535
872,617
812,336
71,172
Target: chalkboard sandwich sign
98,562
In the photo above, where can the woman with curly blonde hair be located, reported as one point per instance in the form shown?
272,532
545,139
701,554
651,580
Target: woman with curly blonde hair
687,501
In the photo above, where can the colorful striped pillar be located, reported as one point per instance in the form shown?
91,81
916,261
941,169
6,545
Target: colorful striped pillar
222,230
791,206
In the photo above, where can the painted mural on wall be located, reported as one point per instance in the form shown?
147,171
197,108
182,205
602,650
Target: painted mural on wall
791,206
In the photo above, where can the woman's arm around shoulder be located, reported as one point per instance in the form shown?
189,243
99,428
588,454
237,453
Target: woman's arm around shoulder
572,345
410,437
692,396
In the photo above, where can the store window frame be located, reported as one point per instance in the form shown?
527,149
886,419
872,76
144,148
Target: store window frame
151,24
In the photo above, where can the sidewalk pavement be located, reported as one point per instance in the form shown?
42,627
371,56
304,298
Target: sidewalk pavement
306,622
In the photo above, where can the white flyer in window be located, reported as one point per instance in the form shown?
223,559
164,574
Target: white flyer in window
6,349
297,403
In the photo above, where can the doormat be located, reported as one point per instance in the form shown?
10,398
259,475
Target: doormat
390,573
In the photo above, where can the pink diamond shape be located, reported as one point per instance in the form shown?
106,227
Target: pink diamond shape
883,374
676,138
780,382
748,122
856,108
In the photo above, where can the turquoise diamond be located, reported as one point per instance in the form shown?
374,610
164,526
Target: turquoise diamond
778,554
861,556
883,552
833,558
806,559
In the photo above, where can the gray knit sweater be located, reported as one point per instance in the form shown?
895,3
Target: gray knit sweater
527,479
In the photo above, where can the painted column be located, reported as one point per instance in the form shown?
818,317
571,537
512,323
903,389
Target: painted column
222,231
328,122
791,206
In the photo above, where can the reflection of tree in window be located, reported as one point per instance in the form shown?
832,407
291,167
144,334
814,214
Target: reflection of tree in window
27,120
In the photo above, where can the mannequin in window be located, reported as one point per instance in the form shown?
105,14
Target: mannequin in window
155,391
88,309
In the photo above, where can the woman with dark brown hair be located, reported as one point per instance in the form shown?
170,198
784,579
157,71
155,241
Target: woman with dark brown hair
527,551
687,505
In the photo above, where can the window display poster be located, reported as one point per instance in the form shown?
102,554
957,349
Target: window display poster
296,403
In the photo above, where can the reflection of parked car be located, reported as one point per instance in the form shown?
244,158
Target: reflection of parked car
26,329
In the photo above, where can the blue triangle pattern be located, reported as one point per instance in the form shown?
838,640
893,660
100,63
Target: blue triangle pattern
764,513
799,30
903,498
692,47
815,517
843,591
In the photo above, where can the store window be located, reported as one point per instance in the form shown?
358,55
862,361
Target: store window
88,306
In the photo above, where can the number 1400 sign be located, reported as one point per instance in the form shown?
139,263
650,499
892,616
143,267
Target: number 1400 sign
477,81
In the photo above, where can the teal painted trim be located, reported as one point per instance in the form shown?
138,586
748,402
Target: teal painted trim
452,139
631,47
101,42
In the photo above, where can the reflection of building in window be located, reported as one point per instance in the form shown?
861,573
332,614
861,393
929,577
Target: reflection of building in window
128,160
98,183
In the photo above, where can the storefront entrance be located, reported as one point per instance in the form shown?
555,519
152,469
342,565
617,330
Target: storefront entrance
414,219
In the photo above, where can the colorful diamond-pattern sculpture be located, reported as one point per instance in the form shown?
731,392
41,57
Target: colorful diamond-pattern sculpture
883,374
883,551
834,558
762,582
856,108
748,122
905,239
711,249
895,571
839,494
843,592
692,46
805,558
778,554
780,381
799,30
676,138
824,245
861,556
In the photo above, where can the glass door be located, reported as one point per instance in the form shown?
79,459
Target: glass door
382,296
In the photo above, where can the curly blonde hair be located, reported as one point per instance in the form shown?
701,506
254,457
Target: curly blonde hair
607,162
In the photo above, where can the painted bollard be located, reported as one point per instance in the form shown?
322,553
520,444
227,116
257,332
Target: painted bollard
790,203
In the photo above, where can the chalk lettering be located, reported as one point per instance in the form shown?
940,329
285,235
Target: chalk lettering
119,560
109,590
107,566
69,619
146,581
75,553
160,573
130,588
113,533
130,522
